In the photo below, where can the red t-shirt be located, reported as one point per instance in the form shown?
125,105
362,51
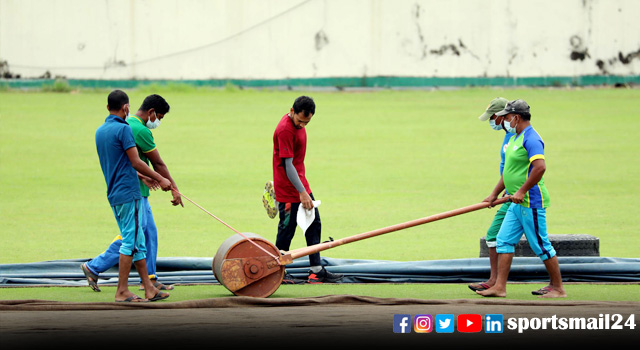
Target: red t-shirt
288,142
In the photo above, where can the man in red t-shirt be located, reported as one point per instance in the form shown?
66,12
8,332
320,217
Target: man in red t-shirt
292,188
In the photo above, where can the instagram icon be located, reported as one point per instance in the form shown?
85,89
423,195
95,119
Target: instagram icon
423,324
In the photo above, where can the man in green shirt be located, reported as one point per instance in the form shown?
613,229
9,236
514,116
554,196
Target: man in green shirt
495,122
151,112
523,178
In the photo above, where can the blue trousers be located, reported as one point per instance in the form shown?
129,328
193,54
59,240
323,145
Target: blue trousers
111,256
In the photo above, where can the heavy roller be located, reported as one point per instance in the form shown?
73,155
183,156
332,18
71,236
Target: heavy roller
249,265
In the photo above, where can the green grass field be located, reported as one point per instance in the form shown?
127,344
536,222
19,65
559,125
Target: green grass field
412,291
374,159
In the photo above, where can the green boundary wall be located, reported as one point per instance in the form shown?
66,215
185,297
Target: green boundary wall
339,82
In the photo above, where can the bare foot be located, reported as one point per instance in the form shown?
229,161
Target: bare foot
554,293
493,292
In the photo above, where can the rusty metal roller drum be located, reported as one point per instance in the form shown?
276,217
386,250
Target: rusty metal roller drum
246,270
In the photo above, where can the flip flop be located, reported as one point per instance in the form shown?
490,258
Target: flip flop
160,286
542,291
479,286
131,300
92,278
160,296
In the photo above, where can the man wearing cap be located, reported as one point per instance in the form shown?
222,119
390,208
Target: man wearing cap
522,176
495,122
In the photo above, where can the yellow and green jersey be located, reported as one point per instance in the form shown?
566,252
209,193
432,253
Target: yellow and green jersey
520,152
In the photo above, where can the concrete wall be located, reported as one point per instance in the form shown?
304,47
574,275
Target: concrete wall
284,39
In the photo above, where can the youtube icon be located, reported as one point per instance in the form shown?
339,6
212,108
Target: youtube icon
469,323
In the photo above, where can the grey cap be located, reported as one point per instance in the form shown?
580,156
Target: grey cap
496,105
515,106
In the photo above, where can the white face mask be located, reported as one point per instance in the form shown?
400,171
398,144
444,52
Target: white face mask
494,126
155,124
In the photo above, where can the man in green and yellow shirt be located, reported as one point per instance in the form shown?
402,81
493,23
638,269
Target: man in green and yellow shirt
523,178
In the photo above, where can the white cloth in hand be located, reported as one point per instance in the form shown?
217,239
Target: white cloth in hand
306,216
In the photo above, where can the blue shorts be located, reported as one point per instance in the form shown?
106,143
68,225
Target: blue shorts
110,257
129,218
530,221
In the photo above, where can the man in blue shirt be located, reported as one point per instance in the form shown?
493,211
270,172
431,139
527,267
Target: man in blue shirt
119,161
154,108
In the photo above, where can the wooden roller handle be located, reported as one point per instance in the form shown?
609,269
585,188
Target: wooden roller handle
297,253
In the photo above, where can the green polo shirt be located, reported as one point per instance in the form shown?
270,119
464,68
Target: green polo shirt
521,151
144,142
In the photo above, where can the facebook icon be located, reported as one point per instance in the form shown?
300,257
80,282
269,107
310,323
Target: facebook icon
401,323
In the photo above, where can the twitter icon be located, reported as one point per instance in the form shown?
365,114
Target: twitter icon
444,323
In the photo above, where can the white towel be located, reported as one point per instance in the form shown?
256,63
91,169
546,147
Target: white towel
306,216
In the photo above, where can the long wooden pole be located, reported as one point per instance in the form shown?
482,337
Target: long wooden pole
297,253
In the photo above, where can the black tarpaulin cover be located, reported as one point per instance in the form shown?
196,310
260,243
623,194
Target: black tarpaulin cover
198,270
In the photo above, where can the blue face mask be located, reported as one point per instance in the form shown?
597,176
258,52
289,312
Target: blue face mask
511,129
494,126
